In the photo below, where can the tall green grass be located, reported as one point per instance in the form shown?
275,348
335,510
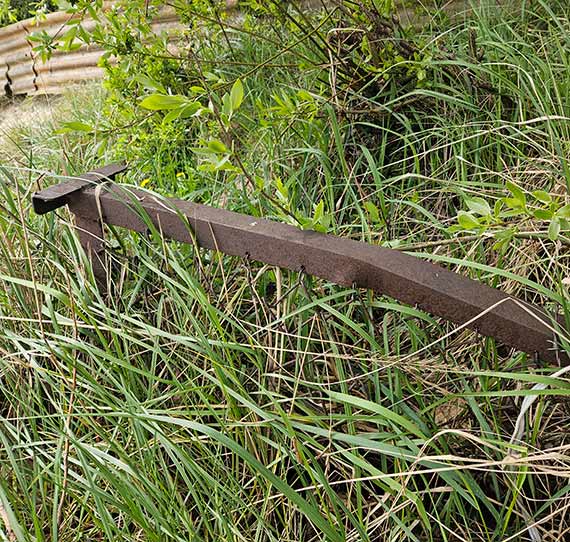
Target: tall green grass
211,398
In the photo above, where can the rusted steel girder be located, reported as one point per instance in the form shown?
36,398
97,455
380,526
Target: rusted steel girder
343,261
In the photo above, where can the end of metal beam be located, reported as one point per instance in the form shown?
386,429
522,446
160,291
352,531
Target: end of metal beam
57,196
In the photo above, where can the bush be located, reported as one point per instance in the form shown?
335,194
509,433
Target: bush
18,10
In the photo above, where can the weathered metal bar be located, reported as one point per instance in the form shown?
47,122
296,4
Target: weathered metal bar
342,261
90,232
60,194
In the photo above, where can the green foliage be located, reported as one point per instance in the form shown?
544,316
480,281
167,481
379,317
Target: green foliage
512,214
18,10
143,62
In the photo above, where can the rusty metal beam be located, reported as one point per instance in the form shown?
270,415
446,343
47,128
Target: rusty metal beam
342,261
60,194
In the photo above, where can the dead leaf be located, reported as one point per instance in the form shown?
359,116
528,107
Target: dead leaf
449,411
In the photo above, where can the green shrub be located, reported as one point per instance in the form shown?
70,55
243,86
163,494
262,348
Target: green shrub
18,10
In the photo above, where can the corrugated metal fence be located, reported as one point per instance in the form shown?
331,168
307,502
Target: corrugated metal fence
23,72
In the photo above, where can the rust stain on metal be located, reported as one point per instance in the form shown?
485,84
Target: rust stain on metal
342,261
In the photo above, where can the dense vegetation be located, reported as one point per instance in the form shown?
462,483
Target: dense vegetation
211,398
18,10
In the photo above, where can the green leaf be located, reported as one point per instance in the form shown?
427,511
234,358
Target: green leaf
554,230
282,189
479,206
33,286
67,39
10,519
542,214
226,108
237,94
172,115
75,126
512,203
497,208
159,102
304,222
503,238
217,164
319,211
454,229
372,211
542,196
564,212
512,212
217,147
519,198
467,221
213,77
149,83
182,112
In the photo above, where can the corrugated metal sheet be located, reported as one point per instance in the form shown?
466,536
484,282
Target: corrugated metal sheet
15,55
23,72
66,68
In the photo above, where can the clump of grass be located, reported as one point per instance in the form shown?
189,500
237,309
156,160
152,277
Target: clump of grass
215,399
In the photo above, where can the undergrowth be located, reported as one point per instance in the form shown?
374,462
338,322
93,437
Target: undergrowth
211,398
